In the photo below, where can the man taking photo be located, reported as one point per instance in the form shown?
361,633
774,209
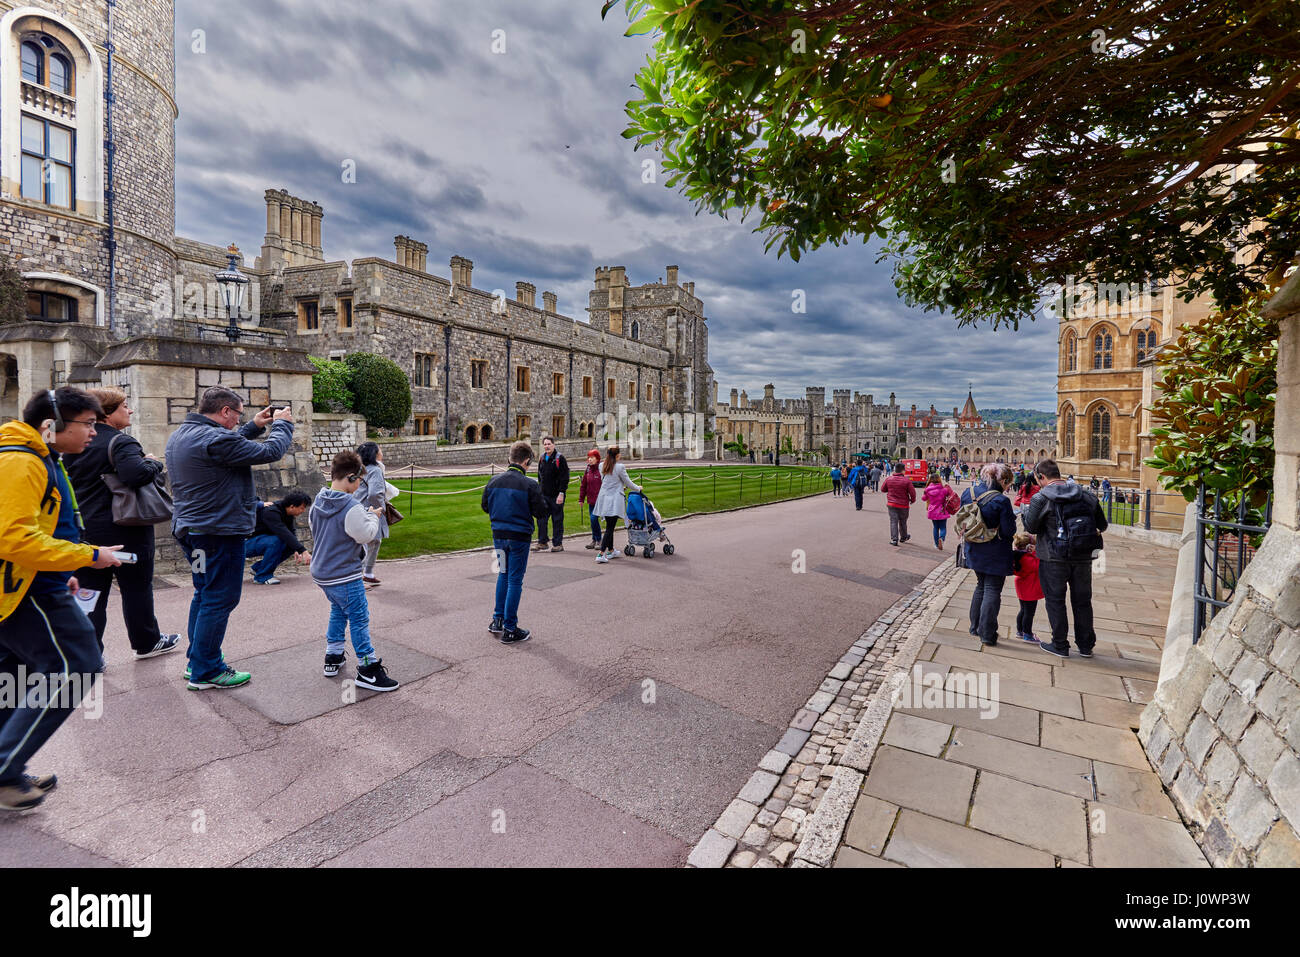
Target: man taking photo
42,631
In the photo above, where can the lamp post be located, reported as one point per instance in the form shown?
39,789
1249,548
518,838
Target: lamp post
232,285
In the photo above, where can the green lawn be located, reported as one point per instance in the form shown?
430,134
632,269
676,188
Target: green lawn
448,522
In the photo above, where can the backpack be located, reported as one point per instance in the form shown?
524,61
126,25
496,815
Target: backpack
952,502
860,479
1077,538
47,501
970,523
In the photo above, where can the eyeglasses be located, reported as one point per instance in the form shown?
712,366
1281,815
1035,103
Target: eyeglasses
90,423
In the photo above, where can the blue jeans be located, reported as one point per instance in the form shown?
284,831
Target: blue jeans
595,523
349,610
512,557
217,570
270,549
940,529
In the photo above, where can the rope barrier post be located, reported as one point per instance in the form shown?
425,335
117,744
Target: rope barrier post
742,488
715,484
683,491
411,483
761,476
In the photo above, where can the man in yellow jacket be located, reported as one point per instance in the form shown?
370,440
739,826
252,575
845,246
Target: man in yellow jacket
49,656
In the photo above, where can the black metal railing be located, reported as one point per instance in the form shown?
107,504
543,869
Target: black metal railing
1224,547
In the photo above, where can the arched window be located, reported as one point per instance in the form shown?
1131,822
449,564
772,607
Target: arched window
1147,339
471,435
1071,352
1067,431
33,62
636,329
1103,349
1100,434
486,433
60,74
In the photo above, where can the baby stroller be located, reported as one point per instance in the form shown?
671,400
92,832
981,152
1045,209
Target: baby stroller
644,527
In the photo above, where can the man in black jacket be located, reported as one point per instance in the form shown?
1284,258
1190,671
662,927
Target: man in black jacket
553,475
274,536
1065,561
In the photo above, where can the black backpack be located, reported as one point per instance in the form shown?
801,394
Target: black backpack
860,480
1077,538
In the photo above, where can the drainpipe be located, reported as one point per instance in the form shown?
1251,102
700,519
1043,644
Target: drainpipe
508,387
446,384
110,147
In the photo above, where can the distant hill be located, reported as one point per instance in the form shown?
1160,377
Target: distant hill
1020,418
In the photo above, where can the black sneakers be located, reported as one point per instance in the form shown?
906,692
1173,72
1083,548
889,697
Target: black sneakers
165,644
332,664
516,636
496,626
1050,648
374,677
1085,654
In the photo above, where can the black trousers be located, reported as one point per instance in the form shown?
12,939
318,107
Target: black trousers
1025,617
985,605
47,640
556,517
1056,578
607,541
134,583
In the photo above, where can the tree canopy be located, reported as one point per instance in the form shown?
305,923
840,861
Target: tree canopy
998,148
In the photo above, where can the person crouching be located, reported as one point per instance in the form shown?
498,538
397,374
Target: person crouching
341,527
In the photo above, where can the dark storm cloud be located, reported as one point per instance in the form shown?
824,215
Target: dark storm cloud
516,161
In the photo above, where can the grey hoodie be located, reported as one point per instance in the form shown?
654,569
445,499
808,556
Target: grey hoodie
340,526
1039,516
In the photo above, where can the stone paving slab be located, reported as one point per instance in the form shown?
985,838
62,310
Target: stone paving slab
288,686
1007,667
923,841
1114,745
936,787
1030,815
1010,721
1110,711
1067,773
1110,686
849,857
1060,701
1123,838
913,733
1133,790
870,824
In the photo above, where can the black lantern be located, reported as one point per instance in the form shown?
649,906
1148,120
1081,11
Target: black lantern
232,284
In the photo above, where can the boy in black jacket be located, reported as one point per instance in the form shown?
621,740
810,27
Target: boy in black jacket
512,500
275,536
553,474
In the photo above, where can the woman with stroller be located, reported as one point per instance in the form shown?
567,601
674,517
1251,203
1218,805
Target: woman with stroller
609,502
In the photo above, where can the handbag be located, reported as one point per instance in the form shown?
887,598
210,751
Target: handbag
391,515
146,505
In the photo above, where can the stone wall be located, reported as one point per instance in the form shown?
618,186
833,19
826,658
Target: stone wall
426,453
1223,729
332,434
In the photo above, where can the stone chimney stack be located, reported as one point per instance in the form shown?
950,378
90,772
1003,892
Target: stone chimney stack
689,287
735,399
293,230
548,301
402,250
526,294
671,278
462,272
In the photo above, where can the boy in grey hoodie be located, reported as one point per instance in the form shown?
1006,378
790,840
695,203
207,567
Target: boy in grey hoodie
341,526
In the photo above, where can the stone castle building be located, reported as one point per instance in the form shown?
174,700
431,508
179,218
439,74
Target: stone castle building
87,215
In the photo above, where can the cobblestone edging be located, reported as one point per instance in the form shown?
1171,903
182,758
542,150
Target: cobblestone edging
805,783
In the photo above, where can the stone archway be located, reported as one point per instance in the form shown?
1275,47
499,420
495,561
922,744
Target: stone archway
486,433
471,435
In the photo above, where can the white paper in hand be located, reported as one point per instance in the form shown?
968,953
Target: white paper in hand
86,598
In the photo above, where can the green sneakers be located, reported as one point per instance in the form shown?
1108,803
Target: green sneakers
230,678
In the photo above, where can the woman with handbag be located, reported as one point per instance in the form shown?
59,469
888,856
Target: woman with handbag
373,493
115,458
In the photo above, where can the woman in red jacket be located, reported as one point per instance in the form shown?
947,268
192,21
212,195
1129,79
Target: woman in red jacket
1028,589
588,491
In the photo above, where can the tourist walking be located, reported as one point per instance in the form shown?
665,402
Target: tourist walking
836,478
1025,494
610,504
112,451
1106,490
941,503
43,634
876,473
858,482
513,503
341,526
1068,521
553,477
373,493
210,458
898,502
991,560
275,537
1028,589
588,489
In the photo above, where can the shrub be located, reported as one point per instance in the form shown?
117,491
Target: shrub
381,391
13,293
329,386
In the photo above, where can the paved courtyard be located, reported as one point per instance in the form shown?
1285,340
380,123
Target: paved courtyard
1056,776
616,736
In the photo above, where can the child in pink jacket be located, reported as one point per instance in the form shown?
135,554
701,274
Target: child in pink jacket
939,507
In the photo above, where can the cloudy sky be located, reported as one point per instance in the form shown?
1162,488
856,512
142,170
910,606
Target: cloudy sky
515,160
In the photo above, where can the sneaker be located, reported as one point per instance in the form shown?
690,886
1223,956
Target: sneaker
188,673
539,546
230,678
20,797
516,636
895,544
557,548
165,644
45,783
592,545
333,663
374,677
1029,636
370,580
1085,654
496,626
266,581
906,538
1050,648
602,559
